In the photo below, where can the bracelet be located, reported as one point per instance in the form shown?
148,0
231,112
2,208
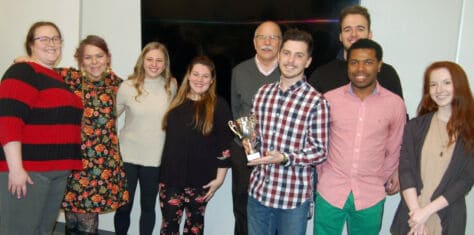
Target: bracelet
285,159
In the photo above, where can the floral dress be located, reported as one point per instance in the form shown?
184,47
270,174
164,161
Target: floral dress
101,185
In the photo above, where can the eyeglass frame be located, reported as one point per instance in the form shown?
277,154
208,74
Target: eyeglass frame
56,40
265,37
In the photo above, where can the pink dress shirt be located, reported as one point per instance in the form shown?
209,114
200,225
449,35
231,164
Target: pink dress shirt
364,146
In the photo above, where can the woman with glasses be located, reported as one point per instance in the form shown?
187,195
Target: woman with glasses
101,185
195,155
40,126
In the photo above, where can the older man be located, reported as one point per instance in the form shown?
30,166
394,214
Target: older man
247,77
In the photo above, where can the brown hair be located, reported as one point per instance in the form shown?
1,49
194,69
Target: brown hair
90,40
300,36
139,71
460,124
203,108
354,10
30,37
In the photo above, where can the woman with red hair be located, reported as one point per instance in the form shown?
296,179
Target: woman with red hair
437,156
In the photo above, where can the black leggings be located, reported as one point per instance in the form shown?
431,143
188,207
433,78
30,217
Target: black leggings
148,177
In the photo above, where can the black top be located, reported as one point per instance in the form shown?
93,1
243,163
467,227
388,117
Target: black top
189,157
334,75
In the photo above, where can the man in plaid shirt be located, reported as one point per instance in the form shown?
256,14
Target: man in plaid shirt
292,125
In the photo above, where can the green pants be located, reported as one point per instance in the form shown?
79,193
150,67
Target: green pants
329,220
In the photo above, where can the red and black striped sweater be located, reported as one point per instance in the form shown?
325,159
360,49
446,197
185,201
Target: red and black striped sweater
38,110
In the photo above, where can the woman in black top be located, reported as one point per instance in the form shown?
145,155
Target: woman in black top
195,155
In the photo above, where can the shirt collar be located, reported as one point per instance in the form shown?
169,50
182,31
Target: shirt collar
262,70
295,86
349,89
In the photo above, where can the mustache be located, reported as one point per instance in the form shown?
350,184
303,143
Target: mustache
267,47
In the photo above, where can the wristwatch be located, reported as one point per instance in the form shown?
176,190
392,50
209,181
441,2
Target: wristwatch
285,159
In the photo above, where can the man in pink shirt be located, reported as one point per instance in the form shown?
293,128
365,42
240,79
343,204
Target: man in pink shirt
366,129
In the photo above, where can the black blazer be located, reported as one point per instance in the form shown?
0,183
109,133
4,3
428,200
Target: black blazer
455,183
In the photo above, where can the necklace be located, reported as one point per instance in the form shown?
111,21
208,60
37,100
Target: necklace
441,133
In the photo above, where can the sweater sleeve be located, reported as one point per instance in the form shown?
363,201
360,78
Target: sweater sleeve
460,187
234,94
394,139
314,80
18,92
407,159
390,80
121,98
224,136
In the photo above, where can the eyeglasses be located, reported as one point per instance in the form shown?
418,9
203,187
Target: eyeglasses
265,37
57,40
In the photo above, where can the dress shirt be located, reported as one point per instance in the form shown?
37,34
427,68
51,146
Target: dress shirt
294,122
364,146
262,70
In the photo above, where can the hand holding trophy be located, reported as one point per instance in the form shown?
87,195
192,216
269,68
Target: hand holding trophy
244,128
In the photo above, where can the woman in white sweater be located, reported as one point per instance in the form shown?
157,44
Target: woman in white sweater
144,98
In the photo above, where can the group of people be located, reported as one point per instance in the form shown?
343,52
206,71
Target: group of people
344,143
61,148
335,143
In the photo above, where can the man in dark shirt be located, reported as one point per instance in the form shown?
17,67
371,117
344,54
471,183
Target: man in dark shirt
355,24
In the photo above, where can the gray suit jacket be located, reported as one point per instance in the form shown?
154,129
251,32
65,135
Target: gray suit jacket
455,184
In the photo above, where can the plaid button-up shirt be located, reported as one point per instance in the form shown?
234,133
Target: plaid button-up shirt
294,122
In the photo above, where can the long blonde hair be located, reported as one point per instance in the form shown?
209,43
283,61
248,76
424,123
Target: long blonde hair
139,71
204,107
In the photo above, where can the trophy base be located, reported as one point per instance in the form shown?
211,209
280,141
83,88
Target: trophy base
253,156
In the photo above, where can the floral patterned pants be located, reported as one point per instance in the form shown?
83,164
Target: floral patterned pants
175,201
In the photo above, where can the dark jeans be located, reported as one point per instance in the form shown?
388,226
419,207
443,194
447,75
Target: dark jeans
240,184
148,177
265,220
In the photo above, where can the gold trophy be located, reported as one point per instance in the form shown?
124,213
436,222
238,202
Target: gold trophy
244,128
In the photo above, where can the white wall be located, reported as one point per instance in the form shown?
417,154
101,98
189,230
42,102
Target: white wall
16,17
118,22
412,33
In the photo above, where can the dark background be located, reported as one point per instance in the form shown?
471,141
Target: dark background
223,30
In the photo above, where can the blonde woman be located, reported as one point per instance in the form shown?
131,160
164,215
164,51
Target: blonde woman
195,157
144,98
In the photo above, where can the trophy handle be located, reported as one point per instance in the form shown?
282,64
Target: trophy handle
233,128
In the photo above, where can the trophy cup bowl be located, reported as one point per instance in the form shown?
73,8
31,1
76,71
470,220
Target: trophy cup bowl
244,128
